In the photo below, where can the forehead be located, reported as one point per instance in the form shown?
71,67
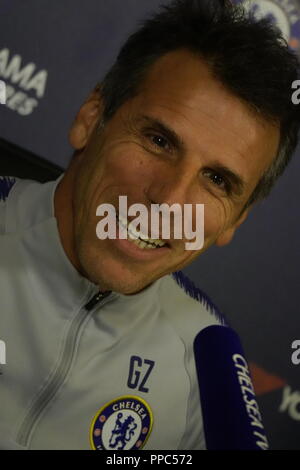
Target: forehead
181,90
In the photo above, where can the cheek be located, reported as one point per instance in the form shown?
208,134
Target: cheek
121,169
128,164
216,218
217,214
118,167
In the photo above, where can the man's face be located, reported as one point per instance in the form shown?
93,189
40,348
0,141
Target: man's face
170,144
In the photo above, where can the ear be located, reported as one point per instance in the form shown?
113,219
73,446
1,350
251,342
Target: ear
227,236
86,119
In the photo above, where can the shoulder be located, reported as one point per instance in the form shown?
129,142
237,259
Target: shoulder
24,203
187,306
189,310
6,185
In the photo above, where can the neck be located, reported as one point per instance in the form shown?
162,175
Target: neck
63,211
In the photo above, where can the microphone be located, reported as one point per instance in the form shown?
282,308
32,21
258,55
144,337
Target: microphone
231,417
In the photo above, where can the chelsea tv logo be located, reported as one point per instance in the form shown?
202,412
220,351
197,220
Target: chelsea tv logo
124,423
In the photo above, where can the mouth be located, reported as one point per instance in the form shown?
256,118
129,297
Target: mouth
142,248
142,242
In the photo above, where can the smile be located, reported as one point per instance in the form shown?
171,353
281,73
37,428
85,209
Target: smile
142,242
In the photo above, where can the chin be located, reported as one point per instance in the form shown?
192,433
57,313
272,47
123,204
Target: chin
111,275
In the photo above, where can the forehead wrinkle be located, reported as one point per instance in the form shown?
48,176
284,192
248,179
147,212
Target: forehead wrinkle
198,82
233,135
200,96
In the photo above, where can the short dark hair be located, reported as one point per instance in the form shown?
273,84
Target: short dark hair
249,56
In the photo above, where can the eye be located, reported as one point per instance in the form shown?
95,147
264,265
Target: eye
159,141
218,180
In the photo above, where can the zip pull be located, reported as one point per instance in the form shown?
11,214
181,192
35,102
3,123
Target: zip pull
95,299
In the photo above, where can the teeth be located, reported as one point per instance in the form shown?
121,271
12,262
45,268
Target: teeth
147,243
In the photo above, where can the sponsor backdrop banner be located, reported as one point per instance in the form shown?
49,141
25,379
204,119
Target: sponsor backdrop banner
51,56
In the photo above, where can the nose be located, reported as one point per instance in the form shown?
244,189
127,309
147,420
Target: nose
174,185
178,185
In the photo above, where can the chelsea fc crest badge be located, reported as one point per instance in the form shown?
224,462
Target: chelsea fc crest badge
284,13
124,423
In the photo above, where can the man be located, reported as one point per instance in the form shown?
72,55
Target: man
99,332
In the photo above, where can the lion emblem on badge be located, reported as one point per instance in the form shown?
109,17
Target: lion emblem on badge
122,432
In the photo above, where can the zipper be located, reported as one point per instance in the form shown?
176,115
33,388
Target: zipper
96,299
62,369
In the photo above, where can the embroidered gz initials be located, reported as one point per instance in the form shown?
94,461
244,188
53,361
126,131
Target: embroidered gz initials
139,371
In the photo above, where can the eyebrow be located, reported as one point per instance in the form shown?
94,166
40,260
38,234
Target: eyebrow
171,135
237,181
